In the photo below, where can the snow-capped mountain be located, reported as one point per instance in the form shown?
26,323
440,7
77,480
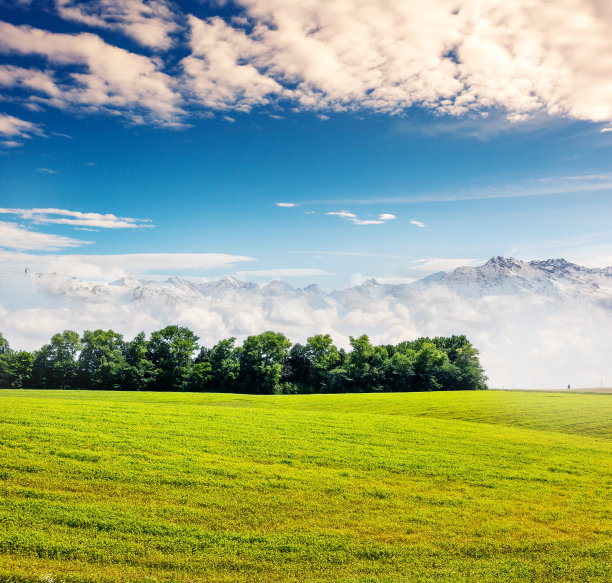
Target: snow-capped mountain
553,278
552,316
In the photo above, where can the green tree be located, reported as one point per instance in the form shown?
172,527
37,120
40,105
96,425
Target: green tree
140,371
102,360
55,365
400,371
171,351
309,365
261,361
224,360
366,366
16,369
4,344
428,363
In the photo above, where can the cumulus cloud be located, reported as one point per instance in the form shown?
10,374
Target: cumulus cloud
96,75
462,58
150,23
110,267
387,217
14,236
451,56
217,71
46,216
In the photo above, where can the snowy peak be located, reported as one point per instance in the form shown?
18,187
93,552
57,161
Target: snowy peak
226,284
278,288
552,278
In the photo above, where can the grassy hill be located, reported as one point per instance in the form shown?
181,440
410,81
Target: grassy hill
448,487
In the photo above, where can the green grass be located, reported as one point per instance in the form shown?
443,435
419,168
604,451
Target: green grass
447,487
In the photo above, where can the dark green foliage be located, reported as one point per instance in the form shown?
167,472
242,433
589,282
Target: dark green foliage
139,371
261,362
171,352
264,364
55,365
102,360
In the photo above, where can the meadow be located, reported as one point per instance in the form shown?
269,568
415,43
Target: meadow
491,486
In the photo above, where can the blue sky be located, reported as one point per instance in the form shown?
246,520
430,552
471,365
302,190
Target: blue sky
177,128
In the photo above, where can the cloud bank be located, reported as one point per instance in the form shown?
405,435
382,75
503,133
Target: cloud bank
526,340
463,58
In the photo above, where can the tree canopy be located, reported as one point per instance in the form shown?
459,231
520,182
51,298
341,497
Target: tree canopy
266,363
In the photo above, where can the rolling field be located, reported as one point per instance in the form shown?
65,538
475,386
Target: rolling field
448,487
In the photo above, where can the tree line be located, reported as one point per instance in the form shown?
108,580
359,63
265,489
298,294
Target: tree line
171,360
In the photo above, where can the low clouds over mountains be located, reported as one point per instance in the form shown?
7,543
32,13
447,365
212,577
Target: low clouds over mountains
537,324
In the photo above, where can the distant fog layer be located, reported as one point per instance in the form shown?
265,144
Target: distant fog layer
538,324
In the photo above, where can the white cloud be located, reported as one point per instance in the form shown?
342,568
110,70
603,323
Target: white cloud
15,127
544,186
387,217
99,76
451,56
286,204
353,254
288,272
464,58
555,342
435,264
605,130
353,218
46,216
418,224
14,236
215,73
343,214
360,278
110,267
46,171
29,80
150,23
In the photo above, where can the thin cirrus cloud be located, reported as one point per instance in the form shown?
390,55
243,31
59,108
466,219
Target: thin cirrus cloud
111,267
288,272
53,216
460,58
353,218
418,224
14,236
545,186
286,204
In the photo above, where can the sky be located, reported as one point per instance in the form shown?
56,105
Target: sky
320,141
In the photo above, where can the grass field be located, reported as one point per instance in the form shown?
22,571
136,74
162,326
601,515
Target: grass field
456,487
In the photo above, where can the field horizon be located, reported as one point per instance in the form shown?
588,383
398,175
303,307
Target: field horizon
103,486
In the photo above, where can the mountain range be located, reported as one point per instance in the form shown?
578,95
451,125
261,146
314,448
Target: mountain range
556,279
536,323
